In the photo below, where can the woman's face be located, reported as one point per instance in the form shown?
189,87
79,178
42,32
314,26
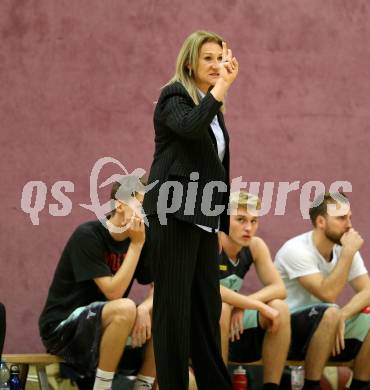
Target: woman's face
208,70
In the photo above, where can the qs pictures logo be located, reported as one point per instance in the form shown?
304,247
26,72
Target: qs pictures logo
34,194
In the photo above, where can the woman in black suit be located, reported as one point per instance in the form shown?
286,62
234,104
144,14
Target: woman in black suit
192,153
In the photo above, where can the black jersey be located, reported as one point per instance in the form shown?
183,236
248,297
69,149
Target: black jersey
91,252
232,274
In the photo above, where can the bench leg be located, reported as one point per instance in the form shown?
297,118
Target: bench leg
23,374
43,379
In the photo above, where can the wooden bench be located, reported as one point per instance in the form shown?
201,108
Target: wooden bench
296,363
39,360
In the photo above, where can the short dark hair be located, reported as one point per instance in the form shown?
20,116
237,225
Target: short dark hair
320,205
116,186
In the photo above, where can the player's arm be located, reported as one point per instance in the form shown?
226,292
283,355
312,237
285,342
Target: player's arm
269,276
328,288
142,329
361,285
245,302
113,287
148,301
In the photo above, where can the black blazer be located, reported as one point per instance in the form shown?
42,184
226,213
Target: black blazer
185,143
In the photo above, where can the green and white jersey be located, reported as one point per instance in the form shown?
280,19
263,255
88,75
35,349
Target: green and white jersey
232,274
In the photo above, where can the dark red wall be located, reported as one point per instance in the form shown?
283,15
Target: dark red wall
78,80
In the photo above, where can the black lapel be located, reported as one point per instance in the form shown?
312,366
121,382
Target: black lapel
221,121
213,138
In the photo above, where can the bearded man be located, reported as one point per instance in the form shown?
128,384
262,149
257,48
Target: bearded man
315,268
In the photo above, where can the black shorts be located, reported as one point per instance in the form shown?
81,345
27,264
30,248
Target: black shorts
249,347
305,321
77,341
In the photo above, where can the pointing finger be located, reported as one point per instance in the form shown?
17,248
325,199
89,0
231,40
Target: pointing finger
224,51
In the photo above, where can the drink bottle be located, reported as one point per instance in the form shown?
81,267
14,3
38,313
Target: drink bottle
297,377
4,376
14,381
239,379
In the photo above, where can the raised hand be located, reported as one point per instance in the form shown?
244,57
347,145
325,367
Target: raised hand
136,230
352,240
228,70
229,66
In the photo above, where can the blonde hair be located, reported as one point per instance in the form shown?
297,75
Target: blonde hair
245,200
189,55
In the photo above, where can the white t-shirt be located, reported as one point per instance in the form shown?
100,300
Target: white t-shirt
299,257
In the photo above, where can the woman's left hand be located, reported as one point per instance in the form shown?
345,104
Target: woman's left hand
229,65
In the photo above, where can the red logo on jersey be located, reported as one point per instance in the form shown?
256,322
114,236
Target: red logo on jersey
114,261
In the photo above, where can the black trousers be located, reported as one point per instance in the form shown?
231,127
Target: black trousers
187,306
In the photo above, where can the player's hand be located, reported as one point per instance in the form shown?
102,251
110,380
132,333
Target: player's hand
236,323
141,332
273,317
351,241
339,343
229,66
136,230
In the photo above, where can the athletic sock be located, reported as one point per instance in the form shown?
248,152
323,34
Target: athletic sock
143,382
103,380
311,385
270,386
357,384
